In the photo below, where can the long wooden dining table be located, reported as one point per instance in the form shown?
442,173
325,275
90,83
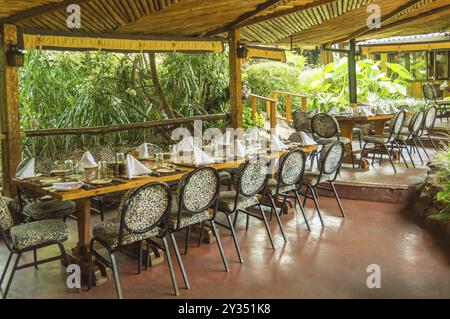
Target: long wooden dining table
83,198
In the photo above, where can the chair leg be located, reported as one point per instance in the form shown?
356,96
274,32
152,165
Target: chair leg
418,152
409,154
423,147
432,142
186,243
141,250
302,210
247,222
362,155
6,269
5,294
200,236
390,158
91,255
235,219
267,226
274,210
306,197
180,261
337,199
316,203
233,234
351,154
219,244
400,149
64,258
170,264
116,276
35,258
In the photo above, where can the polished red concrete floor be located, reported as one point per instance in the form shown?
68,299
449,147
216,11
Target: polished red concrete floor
328,262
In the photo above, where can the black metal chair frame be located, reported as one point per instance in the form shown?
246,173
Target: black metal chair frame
19,252
441,108
213,204
313,187
335,134
286,195
239,191
384,148
162,223
426,136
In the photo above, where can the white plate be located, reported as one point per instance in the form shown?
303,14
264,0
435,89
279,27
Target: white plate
67,186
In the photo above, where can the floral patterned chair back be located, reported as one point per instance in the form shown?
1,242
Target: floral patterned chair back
301,121
145,208
199,190
324,126
428,92
416,122
430,118
331,159
397,124
253,176
292,167
6,221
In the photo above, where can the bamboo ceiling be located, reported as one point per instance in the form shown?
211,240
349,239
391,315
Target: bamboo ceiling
297,22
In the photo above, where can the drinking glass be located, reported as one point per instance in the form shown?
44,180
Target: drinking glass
102,169
68,166
159,160
120,158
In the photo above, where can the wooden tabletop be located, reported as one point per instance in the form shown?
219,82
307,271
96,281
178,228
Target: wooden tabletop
129,184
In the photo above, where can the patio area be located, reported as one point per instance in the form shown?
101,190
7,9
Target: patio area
260,149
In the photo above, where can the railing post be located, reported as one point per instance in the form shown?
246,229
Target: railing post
304,103
288,107
253,108
273,114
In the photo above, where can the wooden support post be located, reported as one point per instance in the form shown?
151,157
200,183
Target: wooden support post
254,110
304,103
352,82
235,80
288,108
9,105
273,114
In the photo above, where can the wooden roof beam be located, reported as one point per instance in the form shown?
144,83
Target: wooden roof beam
37,11
428,13
387,17
245,17
281,13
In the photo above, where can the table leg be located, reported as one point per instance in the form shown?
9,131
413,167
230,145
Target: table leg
350,157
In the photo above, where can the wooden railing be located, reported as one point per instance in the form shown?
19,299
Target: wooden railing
289,95
122,127
271,105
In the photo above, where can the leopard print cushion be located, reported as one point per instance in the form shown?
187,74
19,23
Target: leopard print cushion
226,201
51,209
144,207
291,167
253,176
108,231
272,187
377,139
331,140
6,221
330,157
38,232
199,190
187,219
312,178
324,125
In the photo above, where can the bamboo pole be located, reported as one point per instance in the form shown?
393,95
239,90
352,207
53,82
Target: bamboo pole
117,128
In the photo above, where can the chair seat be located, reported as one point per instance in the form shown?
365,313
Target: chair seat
378,139
443,103
226,201
38,233
331,140
52,209
312,178
187,219
272,187
108,231
356,130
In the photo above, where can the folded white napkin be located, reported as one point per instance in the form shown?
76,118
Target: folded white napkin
143,150
135,168
334,111
185,145
365,111
306,139
444,85
87,160
379,110
226,139
393,109
27,171
239,149
199,157
277,144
